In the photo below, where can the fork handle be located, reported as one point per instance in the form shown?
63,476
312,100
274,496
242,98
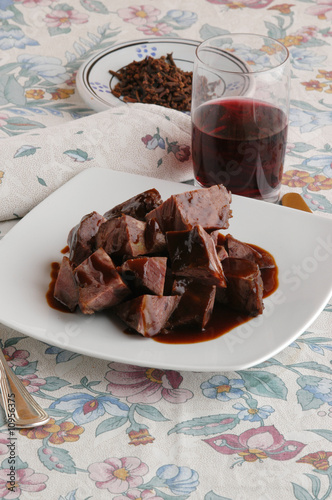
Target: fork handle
17,401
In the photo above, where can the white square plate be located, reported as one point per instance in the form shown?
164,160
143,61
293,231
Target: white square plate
301,244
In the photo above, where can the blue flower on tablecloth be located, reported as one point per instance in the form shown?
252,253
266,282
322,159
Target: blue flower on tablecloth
322,389
4,13
257,59
153,142
304,59
221,388
308,121
87,408
253,414
14,37
4,4
180,480
70,496
49,68
184,18
319,162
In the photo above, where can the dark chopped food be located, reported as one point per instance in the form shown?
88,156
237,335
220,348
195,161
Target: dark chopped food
196,304
137,206
66,287
154,81
240,250
100,285
122,237
147,314
209,208
154,238
244,291
145,274
162,266
81,239
193,255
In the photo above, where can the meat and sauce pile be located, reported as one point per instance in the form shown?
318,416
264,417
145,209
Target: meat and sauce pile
162,265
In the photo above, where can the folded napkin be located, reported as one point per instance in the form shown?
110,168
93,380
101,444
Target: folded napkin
137,138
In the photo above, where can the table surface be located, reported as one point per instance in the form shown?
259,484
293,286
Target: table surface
128,432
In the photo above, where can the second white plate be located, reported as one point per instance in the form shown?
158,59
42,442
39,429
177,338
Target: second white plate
94,82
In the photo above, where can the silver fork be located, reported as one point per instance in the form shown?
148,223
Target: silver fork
20,407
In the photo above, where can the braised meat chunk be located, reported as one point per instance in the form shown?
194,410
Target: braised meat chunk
155,241
123,236
244,290
196,304
81,239
100,285
137,206
145,274
193,255
147,314
66,287
237,249
209,208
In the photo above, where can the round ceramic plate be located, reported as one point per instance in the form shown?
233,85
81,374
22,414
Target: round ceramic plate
95,83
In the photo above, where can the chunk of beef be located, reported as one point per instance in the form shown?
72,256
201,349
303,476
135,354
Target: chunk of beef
145,275
209,208
240,250
147,314
218,238
244,290
66,287
193,255
219,241
196,304
122,236
81,238
137,206
154,238
100,285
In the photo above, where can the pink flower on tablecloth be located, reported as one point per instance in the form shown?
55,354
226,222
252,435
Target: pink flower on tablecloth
65,18
256,444
4,441
117,475
3,119
26,480
16,357
136,494
323,9
158,29
146,385
139,14
31,382
234,4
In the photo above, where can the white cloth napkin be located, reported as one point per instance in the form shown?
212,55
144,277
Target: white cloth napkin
138,138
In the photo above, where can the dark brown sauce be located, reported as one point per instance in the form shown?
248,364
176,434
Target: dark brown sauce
65,250
222,320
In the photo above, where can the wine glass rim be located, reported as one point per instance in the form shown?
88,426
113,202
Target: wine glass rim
204,44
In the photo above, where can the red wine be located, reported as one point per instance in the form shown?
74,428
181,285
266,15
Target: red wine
240,143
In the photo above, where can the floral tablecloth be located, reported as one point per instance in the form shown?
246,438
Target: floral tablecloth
140,433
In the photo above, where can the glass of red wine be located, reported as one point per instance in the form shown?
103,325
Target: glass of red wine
239,114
